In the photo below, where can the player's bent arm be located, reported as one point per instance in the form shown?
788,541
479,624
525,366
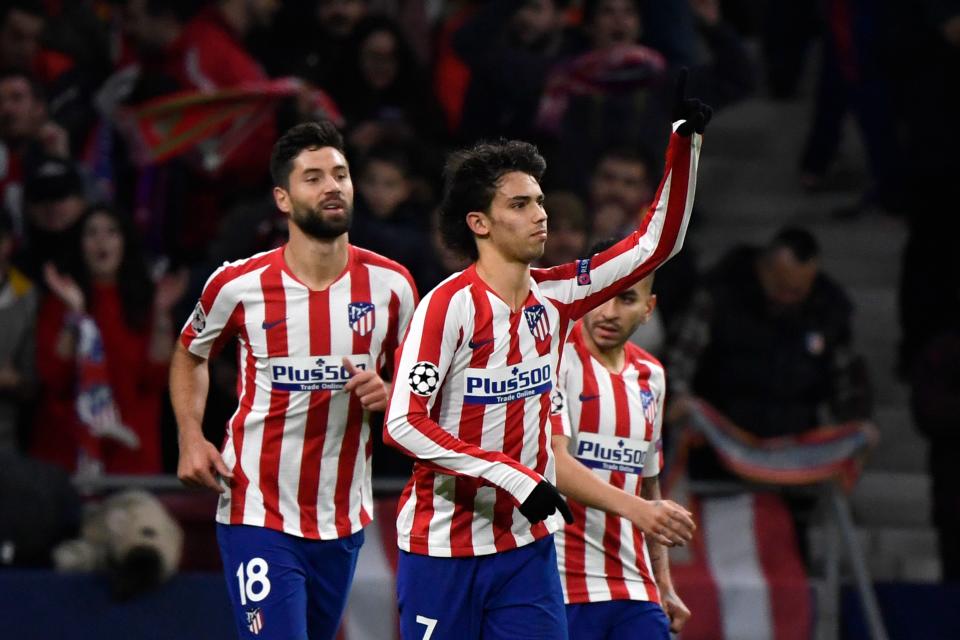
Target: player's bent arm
199,460
662,520
416,435
673,606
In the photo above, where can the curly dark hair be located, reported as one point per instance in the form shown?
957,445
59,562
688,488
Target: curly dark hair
307,135
470,182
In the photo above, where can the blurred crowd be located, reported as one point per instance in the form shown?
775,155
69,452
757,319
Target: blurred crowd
134,145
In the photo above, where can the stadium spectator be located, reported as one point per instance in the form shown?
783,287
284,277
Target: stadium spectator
389,220
54,198
382,88
18,310
768,341
616,92
109,284
526,38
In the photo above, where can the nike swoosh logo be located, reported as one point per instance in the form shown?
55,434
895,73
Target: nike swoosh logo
270,325
584,398
480,343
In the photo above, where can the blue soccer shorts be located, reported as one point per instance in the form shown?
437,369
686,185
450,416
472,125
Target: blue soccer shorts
286,587
513,595
617,620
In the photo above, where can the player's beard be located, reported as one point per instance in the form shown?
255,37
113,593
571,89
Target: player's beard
310,220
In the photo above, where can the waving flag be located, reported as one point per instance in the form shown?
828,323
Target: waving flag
214,123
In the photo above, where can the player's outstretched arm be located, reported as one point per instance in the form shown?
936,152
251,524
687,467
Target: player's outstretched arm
200,462
673,606
589,282
662,520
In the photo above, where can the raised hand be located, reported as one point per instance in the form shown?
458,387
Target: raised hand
170,288
367,386
65,288
664,522
694,113
543,501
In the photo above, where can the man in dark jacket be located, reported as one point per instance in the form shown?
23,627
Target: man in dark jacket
767,341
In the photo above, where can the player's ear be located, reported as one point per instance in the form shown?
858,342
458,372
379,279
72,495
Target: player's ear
651,305
479,223
282,199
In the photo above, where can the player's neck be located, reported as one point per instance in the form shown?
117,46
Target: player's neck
316,263
612,359
508,279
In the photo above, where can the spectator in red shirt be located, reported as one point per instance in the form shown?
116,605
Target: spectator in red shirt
111,285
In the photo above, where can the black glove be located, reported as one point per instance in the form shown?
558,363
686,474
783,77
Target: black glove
543,501
695,113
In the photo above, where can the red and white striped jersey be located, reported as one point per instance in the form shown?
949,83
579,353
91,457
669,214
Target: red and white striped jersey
471,397
613,421
298,445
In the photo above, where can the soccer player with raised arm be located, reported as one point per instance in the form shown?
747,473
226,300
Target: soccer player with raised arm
607,415
316,320
471,395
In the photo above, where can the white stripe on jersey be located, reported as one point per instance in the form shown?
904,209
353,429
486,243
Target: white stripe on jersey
297,443
471,396
591,400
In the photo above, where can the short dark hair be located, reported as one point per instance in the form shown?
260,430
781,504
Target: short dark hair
470,183
798,241
299,138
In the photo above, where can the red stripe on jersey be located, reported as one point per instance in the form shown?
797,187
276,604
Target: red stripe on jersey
471,423
240,482
420,532
274,314
512,447
639,543
575,553
544,442
315,431
391,341
612,566
350,448
589,410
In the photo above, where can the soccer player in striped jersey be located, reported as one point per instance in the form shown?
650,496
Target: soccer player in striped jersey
607,414
316,320
471,395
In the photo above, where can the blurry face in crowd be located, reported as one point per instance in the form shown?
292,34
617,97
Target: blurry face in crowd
148,32
57,215
565,243
339,17
384,187
262,11
517,223
785,280
319,198
616,22
534,21
101,241
611,324
20,39
378,59
621,182
21,114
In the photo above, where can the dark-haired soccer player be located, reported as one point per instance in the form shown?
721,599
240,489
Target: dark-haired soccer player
316,320
471,397
608,415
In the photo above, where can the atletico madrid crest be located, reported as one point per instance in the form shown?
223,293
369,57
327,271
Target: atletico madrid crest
255,621
538,321
649,405
362,317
